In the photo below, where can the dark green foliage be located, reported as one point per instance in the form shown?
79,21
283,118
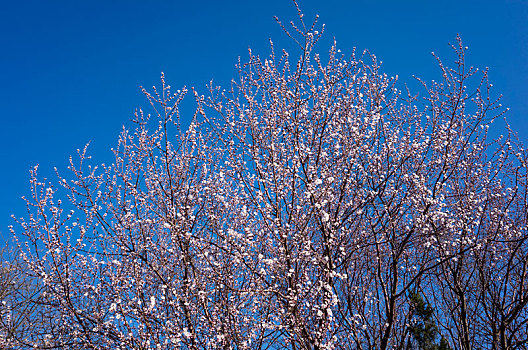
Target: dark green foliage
423,329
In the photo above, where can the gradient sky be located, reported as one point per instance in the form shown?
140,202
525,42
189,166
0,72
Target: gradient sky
71,70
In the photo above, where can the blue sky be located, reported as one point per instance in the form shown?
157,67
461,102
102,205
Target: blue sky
71,70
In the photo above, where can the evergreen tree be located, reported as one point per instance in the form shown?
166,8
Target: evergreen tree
424,331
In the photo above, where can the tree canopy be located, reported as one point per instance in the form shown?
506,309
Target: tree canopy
314,204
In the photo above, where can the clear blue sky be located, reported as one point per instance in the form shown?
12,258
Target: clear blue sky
70,70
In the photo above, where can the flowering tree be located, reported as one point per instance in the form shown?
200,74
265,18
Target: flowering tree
300,209
19,308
